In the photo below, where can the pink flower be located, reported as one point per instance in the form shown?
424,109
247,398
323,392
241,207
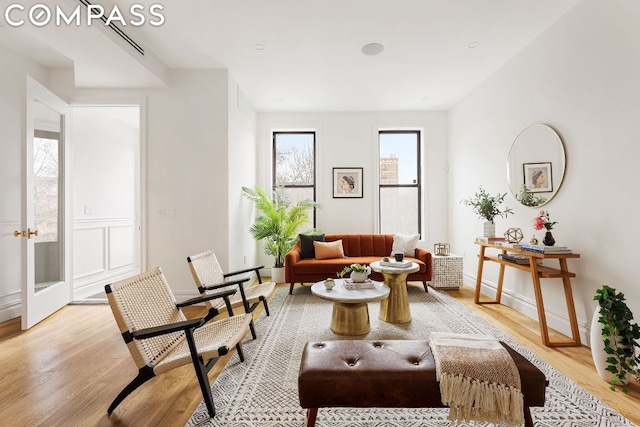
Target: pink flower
538,223
543,221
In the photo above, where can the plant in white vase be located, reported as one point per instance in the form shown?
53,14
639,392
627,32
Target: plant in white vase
487,207
618,338
358,272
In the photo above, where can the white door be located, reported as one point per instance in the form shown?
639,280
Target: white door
46,227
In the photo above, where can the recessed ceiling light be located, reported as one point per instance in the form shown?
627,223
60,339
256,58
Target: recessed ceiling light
259,46
372,49
424,98
473,45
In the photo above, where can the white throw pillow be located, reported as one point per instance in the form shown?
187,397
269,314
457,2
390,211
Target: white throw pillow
405,243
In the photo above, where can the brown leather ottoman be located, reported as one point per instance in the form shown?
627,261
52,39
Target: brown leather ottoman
387,374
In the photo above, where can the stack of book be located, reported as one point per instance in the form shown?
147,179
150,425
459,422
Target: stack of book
490,239
394,263
352,286
506,244
515,258
542,249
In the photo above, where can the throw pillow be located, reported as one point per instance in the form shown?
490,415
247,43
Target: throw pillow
327,250
306,244
405,243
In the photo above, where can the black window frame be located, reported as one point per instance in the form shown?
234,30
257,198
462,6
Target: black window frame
273,164
417,185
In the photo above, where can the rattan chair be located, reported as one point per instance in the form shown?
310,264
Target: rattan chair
159,336
210,279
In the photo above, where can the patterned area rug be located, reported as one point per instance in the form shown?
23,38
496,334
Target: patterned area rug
262,392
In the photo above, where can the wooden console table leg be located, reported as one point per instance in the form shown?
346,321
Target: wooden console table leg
542,318
476,298
571,309
500,281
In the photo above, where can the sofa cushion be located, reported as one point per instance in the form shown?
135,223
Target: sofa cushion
405,243
306,244
328,250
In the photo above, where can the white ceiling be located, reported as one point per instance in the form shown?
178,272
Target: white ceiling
312,60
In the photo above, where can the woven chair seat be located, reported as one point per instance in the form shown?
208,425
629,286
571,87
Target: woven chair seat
224,333
211,280
252,294
157,333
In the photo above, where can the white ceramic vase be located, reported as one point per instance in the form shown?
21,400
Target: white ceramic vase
597,349
489,229
360,276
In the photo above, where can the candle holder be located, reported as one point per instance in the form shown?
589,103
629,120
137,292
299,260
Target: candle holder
441,249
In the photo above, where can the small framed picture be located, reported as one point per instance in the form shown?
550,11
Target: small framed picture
537,177
347,183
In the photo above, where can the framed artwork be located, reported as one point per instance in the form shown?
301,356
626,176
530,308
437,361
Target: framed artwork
347,183
537,177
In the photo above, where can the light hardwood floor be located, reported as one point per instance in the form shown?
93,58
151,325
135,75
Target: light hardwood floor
67,370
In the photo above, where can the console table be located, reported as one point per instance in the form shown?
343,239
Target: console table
537,272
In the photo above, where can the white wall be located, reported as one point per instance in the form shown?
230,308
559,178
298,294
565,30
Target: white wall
106,243
580,77
13,77
351,140
242,171
188,191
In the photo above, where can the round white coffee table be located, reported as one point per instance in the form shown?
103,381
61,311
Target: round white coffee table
350,310
395,309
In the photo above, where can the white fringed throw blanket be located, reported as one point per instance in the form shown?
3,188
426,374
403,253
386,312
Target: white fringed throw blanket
479,380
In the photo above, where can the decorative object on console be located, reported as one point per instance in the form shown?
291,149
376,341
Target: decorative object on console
487,207
614,345
533,240
358,272
441,249
347,183
513,235
543,221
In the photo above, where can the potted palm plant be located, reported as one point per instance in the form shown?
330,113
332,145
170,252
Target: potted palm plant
487,207
279,224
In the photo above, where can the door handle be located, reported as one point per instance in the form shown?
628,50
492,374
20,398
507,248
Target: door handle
31,233
19,233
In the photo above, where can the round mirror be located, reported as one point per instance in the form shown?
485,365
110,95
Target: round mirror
536,165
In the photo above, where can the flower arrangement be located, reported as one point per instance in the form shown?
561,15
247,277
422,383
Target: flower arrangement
543,221
358,268
487,206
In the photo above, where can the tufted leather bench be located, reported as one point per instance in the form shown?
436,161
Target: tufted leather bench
387,374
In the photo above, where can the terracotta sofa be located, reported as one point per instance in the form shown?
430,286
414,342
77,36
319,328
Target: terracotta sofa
358,248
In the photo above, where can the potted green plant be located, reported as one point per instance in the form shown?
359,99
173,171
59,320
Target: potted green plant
358,272
487,207
614,343
279,224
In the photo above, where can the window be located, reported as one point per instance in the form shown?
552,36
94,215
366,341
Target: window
294,165
399,196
